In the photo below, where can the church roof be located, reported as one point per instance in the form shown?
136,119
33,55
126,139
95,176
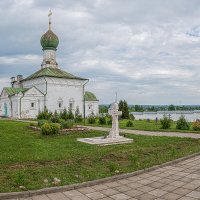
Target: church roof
52,72
12,91
89,96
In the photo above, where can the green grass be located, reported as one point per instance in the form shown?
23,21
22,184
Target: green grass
27,158
147,126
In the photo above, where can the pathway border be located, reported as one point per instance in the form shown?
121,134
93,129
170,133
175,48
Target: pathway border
31,193
148,133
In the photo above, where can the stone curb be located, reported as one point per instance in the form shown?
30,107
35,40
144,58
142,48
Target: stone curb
89,183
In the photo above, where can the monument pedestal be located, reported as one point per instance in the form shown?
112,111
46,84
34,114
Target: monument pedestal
105,141
113,137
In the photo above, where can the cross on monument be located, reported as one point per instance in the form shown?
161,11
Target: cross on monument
114,112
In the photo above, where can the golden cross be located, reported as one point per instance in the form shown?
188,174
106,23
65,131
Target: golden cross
49,15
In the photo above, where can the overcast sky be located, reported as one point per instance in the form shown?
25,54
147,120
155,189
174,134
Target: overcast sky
148,51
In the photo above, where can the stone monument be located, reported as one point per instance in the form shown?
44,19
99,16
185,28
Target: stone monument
113,137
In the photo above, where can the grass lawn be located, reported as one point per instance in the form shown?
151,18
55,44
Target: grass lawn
147,126
27,158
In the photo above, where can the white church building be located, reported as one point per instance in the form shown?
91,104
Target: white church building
48,87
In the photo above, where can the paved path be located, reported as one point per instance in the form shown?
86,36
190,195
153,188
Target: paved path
140,132
179,181
150,133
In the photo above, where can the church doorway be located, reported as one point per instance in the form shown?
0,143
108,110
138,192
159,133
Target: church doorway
5,110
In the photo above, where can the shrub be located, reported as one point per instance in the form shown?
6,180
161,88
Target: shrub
78,116
165,123
109,121
50,128
55,118
32,124
132,117
64,114
45,114
67,124
182,124
78,119
70,114
129,123
196,125
41,122
102,120
91,119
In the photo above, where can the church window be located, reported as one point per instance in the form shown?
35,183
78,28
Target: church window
71,104
90,106
60,103
32,105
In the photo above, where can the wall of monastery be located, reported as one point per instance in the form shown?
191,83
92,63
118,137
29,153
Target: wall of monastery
190,116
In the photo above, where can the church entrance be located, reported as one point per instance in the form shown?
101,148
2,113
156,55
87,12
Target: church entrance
5,110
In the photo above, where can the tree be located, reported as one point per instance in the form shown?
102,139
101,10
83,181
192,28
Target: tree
64,114
139,108
78,116
103,109
125,114
70,114
171,107
123,106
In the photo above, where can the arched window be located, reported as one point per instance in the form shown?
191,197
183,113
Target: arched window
60,103
71,104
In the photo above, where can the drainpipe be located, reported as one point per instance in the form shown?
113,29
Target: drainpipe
45,93
20,106
11,111
84,100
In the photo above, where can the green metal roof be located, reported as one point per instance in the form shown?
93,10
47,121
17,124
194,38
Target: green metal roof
89,96
52,72
12,91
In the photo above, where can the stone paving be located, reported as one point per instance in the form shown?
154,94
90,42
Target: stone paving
178,181
149,133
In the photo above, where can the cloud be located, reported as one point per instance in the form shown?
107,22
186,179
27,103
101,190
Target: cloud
146,50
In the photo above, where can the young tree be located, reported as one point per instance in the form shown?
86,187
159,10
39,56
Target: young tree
125,114
70,114
123,106
78,116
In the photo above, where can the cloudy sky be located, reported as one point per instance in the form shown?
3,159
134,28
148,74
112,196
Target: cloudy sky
148,51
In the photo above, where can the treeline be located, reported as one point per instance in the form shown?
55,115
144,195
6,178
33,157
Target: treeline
150,108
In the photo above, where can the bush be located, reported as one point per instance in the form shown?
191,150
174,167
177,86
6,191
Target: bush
132,117
32,124
102,120
182,124
196,125
78,116
70,114
165,122
55,118
64,114
67,124
50,128
109,121
78,119
42,122
91,120
44,114
129,124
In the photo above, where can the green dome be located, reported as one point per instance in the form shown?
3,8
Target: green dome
89,96
49,40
